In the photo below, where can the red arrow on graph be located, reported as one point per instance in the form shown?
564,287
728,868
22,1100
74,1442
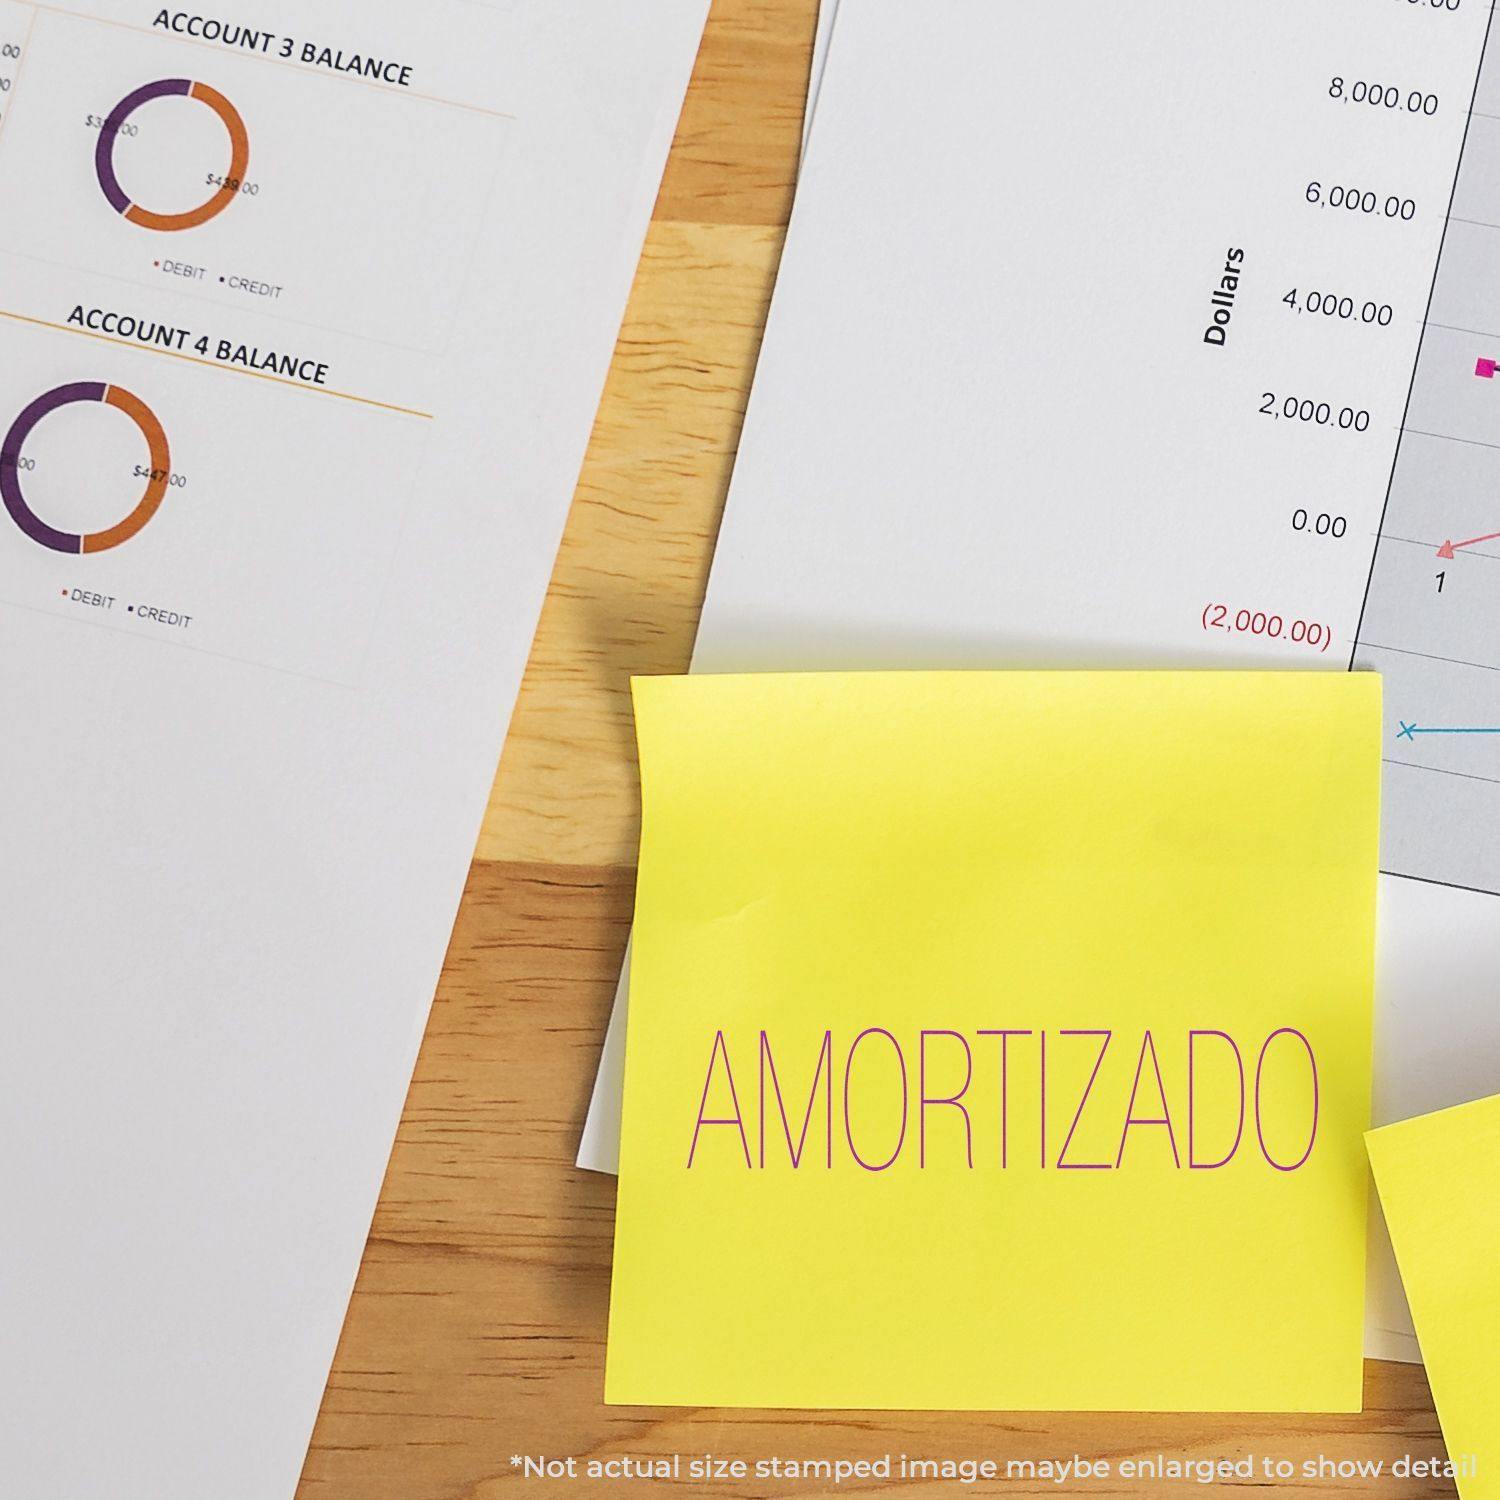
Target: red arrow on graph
1447,550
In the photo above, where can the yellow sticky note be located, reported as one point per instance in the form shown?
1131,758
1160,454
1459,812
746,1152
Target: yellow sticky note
1439,1182
999,1041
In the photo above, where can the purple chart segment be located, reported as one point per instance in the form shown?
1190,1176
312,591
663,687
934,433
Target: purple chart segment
104,151
10,465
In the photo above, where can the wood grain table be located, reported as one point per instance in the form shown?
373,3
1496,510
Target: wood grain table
477,1328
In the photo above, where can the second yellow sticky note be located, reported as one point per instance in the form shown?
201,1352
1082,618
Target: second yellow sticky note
1439,1180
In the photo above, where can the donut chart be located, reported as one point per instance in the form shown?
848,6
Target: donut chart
167,88
78,543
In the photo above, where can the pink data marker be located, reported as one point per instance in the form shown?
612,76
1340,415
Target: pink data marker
1485,369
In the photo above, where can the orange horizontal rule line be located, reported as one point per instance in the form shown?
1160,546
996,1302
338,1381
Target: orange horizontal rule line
213,364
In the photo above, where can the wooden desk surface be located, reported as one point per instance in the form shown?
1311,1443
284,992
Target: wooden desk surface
477,1328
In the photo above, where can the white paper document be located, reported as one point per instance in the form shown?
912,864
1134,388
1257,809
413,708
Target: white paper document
305,309
1102,337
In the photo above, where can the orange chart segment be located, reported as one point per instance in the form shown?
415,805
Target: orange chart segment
233,180
156,486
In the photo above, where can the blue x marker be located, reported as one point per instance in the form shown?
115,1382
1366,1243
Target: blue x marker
1411,731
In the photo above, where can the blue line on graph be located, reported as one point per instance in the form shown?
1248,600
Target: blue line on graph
1411,731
